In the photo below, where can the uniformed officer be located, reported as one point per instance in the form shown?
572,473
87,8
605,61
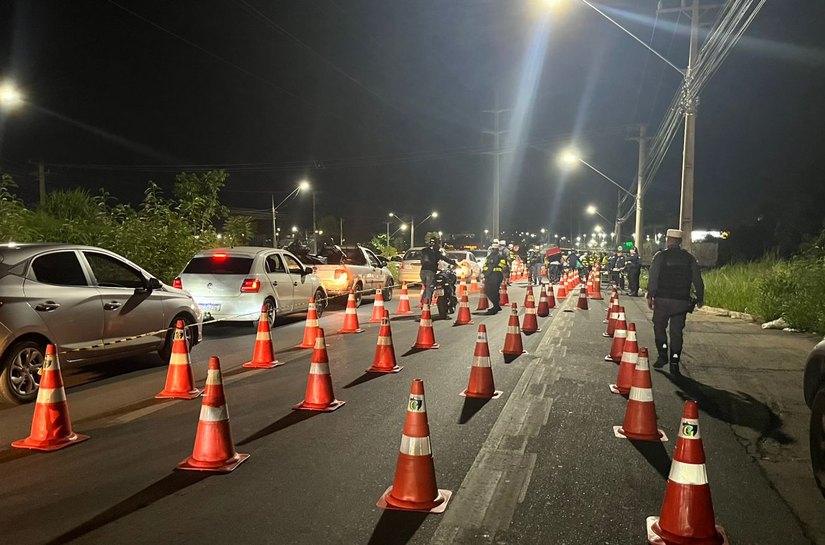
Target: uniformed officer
633,268
672,273
493,272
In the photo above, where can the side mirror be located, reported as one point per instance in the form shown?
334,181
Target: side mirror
154,284
306,271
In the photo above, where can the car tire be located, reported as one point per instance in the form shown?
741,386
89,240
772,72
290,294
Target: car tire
320,302
817,438
271,311
388,286
19,381
359,297
165,351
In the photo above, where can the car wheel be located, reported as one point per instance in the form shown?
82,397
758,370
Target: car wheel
388,290
19,380
271,312
817,438
320,302
166,351
359,297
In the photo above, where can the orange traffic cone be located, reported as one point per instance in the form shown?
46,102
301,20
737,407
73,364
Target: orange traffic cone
311,327
462,287
463,316
544,307
404,301
527,294
473,284
377,307
589,285
530,324
619,336
640,413
319,396
263,357
426,335
687,508
180,381
384,360
503,296
214,449
551,298
581,304
483,302
630,357
481,383
51,425
414,487
512,342
351,316
597,288
611,323
562,291
609,310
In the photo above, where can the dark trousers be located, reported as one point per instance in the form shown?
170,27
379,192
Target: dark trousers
617,278
491,286
633,278
675,312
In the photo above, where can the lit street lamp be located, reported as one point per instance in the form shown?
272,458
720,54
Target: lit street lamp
10,95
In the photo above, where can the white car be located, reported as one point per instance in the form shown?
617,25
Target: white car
232,284
411,265
467,264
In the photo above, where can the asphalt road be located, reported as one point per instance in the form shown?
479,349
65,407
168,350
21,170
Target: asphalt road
538,465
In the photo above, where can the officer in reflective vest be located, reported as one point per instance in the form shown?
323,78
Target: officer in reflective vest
672,273
493,271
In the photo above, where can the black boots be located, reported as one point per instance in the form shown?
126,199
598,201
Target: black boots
674,364
661,361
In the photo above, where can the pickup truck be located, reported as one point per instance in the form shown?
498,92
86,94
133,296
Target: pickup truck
353,268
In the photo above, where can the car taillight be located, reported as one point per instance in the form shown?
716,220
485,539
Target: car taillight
177,283
251,285
340,275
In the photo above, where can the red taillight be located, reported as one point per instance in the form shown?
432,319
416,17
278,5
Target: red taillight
340,274
250,285
220,256
177,283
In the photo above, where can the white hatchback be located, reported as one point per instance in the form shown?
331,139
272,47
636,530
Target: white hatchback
232,284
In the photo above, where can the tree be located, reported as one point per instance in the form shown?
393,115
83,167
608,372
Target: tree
13,214
198,198
238,230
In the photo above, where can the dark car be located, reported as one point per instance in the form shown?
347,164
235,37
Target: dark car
814,389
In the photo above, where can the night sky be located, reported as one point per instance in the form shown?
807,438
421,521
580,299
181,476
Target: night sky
379,103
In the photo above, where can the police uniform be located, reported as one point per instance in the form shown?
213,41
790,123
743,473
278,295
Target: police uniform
493,271
672,273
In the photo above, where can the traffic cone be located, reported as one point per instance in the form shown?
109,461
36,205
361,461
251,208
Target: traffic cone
404,301
214,449
426,335
51,425
503,297
597,287
473,284
530,324
462,286
512,342
562,291
180,381
528,294
311,327
319,395
544,307
351,316
551,298
611,323
589,285
481,383
687,515
619,336
384,360
609,310
414,487
377,307
263,356
630,357
483,302
463,317
581,304
640,413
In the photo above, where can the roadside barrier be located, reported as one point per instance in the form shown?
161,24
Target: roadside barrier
263,356
414,487
630,357
481,385
180,380
640,414
51,425
319,395
384,360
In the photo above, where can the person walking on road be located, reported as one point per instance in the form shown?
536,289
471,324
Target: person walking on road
633,268
430,256
672,273
493,272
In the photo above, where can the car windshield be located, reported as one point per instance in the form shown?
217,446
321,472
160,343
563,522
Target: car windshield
219,265
412,255
480,254
458,256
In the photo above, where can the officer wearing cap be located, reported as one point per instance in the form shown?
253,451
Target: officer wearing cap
672,273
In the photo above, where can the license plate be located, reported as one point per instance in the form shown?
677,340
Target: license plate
439,292
215,307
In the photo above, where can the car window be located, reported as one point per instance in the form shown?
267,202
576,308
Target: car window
219,265
412,255
458,256
113,273
355,256
374,261
274,264
293,265
59,268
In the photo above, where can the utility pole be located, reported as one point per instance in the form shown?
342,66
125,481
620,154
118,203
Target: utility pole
642,139
689,103
412,231
41,176
274,224
497,132
618,228
341,231
314,230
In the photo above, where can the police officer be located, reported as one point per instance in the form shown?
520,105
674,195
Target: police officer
633,268
534,261
493,272
671,274
617,265
430,256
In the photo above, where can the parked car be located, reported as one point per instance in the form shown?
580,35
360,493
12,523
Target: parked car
80,299
467,264
814,390
411,265
233,284
481,256
354,268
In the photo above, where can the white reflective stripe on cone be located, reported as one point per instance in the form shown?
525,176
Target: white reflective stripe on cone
684,473
263,336
482,337
213,378
214,414
620,333
630,357
641,394
312,323
320,343
689,429
426,323
512,329
384,341
416,404
415,446
51,395
178,359
642,364
481,361
319,369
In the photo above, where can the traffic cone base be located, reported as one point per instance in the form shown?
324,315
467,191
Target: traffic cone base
619,432
654,536
302,406
466,393
442,500
192,465
48,446
189,395
350,331
433,346
395,369
264,365
512,353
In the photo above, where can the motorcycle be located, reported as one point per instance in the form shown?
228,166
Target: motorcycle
444,292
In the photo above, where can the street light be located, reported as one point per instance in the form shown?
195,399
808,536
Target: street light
10,95
593,211
302,185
